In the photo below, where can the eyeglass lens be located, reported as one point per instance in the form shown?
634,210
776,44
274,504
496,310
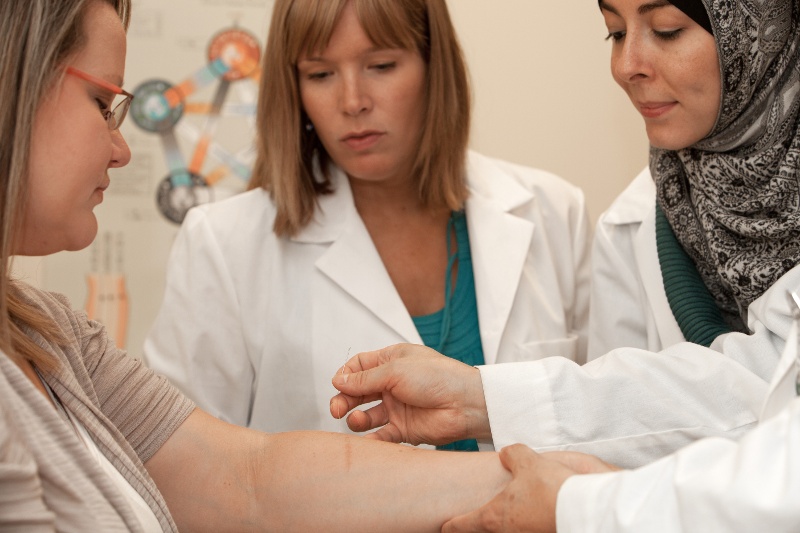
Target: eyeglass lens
119,113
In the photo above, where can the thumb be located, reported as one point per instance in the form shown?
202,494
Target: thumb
464,523
362,383
513,457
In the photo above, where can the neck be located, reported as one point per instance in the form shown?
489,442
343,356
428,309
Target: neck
386,197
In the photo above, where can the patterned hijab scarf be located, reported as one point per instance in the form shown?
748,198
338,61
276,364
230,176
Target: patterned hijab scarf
696,11
733,199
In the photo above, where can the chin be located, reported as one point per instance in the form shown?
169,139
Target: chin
83,237
81,244
666,143
672,140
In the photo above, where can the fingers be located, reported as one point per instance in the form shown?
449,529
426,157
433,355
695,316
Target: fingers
464,523
581,463
359,379
341,404
487,519
372,418
388,433
368,360
362,361
354,393
516,456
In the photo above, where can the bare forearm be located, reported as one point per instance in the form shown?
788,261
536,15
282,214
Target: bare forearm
306,481
353,484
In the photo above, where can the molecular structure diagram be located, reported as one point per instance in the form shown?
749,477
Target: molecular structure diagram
158,106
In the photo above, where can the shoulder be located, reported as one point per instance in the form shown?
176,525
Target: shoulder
75,327
634,203
53,305
254,204
484,172
246,215
522,189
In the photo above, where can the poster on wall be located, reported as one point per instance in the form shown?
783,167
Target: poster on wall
193,67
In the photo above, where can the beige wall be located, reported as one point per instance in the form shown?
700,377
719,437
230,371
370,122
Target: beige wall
544,95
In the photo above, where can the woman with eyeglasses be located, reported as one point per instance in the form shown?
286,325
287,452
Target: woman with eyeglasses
92,440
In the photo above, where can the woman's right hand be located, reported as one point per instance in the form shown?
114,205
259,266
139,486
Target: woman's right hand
425,396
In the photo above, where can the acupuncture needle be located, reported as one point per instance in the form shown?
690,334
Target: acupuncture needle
338,407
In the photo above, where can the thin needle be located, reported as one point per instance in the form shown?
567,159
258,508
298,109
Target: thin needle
339,407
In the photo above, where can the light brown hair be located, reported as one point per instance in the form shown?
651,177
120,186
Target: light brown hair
36,37
286,150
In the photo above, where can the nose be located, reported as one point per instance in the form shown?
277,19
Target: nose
630,60
120,152
355,97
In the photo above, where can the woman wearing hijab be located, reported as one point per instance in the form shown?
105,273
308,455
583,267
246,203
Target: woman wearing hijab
725,225
702,247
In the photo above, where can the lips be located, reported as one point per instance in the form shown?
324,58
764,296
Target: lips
656,109
362,140
99,190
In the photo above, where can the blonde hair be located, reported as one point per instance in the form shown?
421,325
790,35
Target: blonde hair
36,37
286,151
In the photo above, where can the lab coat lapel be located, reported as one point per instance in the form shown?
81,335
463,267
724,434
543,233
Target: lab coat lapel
353,262
499,242
783,386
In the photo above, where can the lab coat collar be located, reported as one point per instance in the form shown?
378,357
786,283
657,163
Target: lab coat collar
485,179
634,203
352,261
499,242
333,213
491,182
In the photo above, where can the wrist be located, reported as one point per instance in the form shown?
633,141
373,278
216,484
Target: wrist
475,412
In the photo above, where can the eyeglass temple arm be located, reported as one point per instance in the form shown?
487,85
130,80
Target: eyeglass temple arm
97,81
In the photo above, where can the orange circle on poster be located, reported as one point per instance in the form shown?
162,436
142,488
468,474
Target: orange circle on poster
238,49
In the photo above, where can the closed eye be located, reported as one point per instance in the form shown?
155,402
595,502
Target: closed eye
318,75
385,66
668,35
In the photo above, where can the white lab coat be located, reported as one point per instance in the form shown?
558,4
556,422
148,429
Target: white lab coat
629,306
633,405
253,327
712,485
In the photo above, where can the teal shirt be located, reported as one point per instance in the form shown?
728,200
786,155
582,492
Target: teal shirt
454,330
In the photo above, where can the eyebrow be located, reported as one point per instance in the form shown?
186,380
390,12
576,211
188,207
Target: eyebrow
320,59
642,9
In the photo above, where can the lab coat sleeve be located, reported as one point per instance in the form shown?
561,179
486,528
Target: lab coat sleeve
629,407
713,485
196,340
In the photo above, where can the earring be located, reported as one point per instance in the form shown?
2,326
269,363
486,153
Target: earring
309,127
